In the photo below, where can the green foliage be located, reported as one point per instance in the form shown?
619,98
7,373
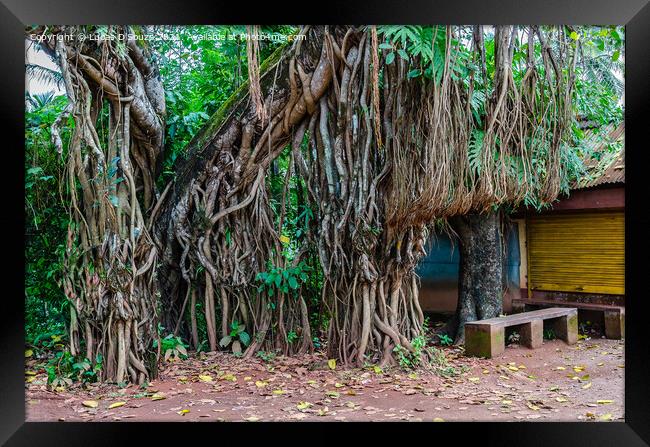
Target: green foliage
46,221
173,347
277,279
267,356
549,334
237,337
445,340
65,369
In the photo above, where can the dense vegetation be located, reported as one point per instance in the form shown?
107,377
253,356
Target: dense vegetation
305,305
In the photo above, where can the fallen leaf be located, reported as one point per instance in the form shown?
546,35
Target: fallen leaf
115,405
205,378
278,392
474,379
183,412
303,405
29,353
561,399
252,419
90,403
438,420
331,363
158,396
332,394
606,417
261,384
604,401
560,368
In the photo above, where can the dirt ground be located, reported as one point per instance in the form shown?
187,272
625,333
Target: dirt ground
556,382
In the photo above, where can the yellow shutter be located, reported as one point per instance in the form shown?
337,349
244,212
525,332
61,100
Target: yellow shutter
577,252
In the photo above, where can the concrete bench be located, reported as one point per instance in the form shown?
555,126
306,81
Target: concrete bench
614,315
486,338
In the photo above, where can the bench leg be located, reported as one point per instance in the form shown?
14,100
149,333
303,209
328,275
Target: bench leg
614,324
482,341
566,328
532,334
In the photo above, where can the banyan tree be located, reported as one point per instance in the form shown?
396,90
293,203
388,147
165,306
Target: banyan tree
391,131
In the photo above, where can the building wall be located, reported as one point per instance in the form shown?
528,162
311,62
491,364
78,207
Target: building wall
438,273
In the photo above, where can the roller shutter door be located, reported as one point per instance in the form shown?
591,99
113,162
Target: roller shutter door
577,252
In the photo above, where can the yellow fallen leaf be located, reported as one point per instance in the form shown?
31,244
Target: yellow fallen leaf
115,405
485,371
205,378
278,392
474,379
252,419
303,405
332,394
158,396
600,364
585,377
229,377
284,239
606,417
29,379
532,407
590,415
331,363
578,368
30,373
260,383
351,393
413,376
90,403
586,386
438,420
560,368
339,385
604,401
522,367
29,353
621,366
506,402
378,370
560,399
183,412
248,379
513,368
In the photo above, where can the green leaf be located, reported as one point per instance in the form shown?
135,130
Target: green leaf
244,338
616,55
293,283
225,341
573,35
413,74
403,54
385,46
390,58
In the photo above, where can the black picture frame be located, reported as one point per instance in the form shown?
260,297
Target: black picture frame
635,14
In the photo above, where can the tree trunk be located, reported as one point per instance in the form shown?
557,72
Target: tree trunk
480,275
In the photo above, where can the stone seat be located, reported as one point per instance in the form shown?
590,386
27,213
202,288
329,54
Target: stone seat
614,315
486,338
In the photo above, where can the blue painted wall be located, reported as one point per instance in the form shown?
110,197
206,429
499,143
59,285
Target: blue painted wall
438,272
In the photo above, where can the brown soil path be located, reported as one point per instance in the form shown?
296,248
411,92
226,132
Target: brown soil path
553,383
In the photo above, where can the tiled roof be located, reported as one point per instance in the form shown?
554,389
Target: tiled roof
610,168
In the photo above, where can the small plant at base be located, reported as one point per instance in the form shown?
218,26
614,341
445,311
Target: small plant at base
267,356
549,334
410,360
173,347
445,340
292,336
238,337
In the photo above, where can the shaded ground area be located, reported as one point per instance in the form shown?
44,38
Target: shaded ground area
556,382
